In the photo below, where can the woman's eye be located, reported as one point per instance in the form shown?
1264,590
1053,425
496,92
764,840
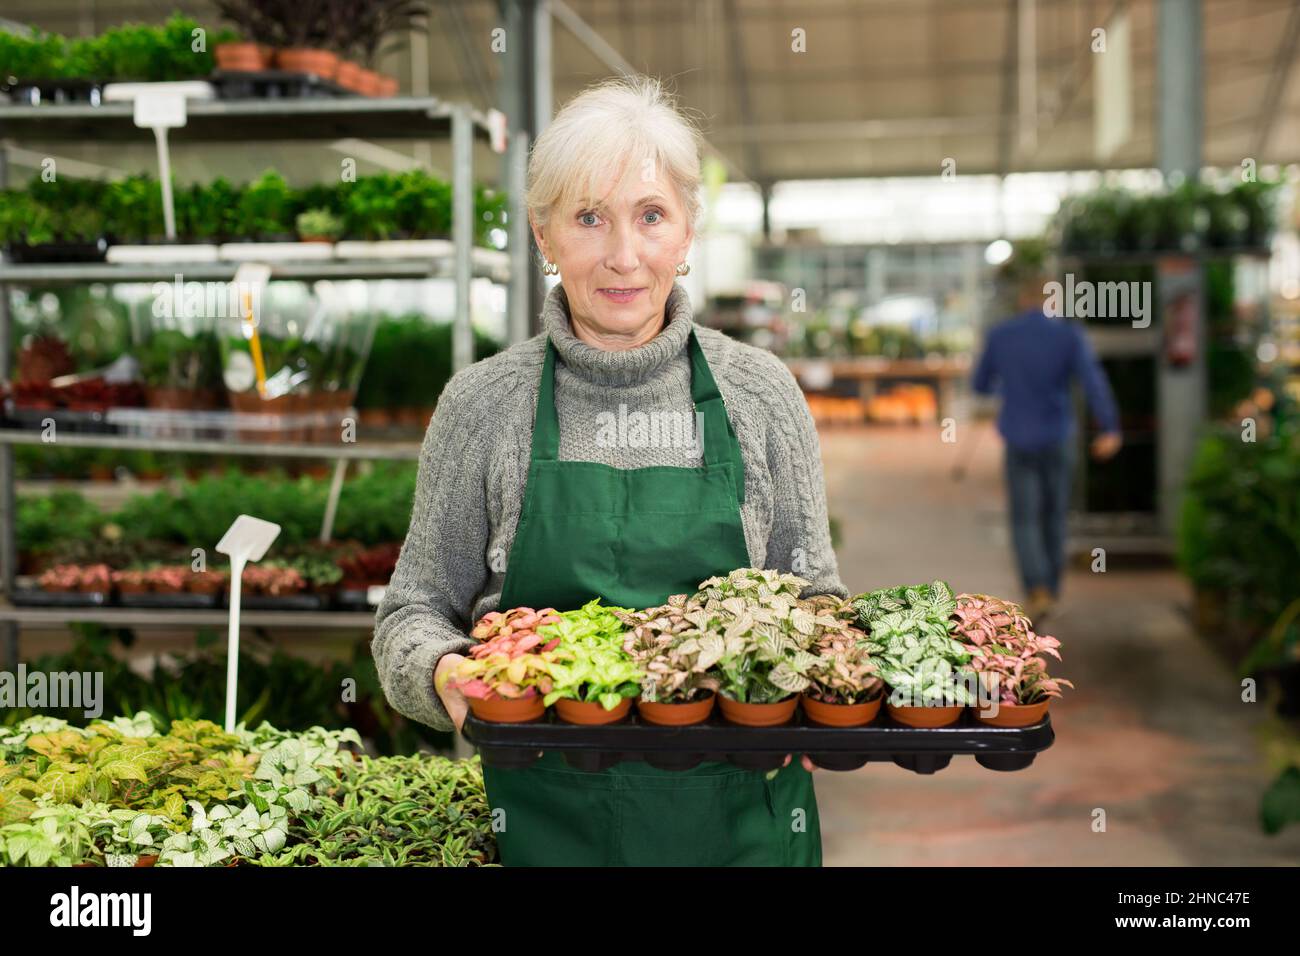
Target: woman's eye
657,216
588,218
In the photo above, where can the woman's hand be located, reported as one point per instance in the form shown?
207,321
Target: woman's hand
455,702
803,759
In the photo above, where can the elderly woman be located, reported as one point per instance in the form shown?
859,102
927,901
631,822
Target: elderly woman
531,494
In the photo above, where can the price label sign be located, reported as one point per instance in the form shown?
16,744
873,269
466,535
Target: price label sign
160,109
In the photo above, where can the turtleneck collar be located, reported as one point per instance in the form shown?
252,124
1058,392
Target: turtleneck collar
623,367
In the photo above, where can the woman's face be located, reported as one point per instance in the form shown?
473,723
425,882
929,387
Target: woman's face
618,257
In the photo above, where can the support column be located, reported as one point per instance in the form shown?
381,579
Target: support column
527,103
1180,104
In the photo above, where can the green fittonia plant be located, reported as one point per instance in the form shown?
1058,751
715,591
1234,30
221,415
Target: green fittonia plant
298,798
914,650
589,663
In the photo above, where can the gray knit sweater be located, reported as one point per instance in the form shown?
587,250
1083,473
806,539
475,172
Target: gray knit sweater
474,466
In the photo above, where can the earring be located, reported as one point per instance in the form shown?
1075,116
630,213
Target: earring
683,268
549,268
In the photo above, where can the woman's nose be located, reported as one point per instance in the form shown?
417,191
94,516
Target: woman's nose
624,253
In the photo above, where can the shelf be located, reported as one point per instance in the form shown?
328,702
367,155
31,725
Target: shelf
185,617
1140,257
487,264
360,451
400,117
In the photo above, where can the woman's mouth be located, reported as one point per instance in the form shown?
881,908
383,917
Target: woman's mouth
621,295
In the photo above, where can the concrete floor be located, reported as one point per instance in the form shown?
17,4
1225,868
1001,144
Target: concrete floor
1155,734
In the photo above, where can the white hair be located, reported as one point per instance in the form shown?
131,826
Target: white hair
625,124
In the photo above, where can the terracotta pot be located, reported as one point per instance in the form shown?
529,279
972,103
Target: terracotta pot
841,715
348,76
387,85
368,82
323,63
1014,715
591,713
678,714
324,239
925,716
758,715
501,710
101,473
241,56
133,589
203,586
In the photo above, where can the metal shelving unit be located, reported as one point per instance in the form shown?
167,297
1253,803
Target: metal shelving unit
296,120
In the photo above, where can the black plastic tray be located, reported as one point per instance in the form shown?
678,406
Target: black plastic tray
759,748
39,597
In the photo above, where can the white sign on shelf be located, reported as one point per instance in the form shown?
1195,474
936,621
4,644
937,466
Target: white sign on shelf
245,540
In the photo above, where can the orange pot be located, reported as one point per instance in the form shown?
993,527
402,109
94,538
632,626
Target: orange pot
503,710
758,715
925,716
368,84
240,56
1014,715
348,76
323,63
591,712
676,715
841,715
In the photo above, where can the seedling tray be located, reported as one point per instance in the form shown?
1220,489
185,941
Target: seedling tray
759,748
39,597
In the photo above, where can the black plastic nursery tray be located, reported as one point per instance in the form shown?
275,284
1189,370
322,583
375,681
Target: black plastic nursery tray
759,748
39,597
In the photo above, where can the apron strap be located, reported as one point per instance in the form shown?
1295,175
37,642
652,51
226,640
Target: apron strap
720,443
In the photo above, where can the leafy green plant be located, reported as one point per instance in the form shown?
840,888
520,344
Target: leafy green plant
264,207
319,224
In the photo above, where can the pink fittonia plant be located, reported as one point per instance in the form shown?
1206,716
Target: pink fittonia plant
513,632
843,672
61,577
169,579
499,675
1005,650
272,580
507,662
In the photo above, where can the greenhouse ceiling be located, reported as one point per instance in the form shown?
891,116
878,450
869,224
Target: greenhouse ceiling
816,89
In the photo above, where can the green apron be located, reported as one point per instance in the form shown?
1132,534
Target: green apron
633,537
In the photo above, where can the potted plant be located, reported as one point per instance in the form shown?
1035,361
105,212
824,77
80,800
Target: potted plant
676,658
916,656
593,680
369,27
843,690
1005,653
319,225
301,31
233,53
61,579
499,689
264,207
765,631
131,581
205,582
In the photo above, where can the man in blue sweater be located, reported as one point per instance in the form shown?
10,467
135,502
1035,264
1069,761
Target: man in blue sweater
1031,361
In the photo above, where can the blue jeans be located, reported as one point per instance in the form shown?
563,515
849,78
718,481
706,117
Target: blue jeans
1038,499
